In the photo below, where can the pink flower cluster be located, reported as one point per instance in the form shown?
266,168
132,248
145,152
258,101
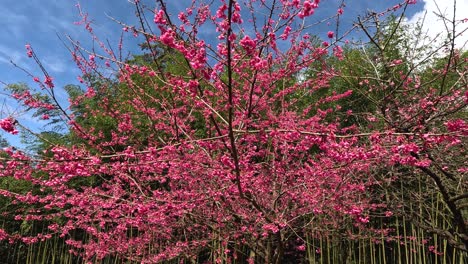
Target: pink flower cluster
8,124
49,82
159,17
457,125
248,44
308,9
29,51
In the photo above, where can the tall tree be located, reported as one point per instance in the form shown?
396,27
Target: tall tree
230,145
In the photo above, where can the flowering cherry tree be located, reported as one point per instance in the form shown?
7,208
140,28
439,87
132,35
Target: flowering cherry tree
222,145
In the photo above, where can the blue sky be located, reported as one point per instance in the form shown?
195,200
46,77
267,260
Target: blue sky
38,22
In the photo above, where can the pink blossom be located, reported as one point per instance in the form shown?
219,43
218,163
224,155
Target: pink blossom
457,125
29,51
407,148
363,220
286,32
3,234
307,9
8,124
236,17
159,17
423,163
396,62
395,7
90,93
220,13
271,228
183,17
168,38
248,44
301,247
338,52
330,34
49,82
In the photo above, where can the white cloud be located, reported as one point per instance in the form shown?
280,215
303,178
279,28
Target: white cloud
10,54
434,24
54,64
16,23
